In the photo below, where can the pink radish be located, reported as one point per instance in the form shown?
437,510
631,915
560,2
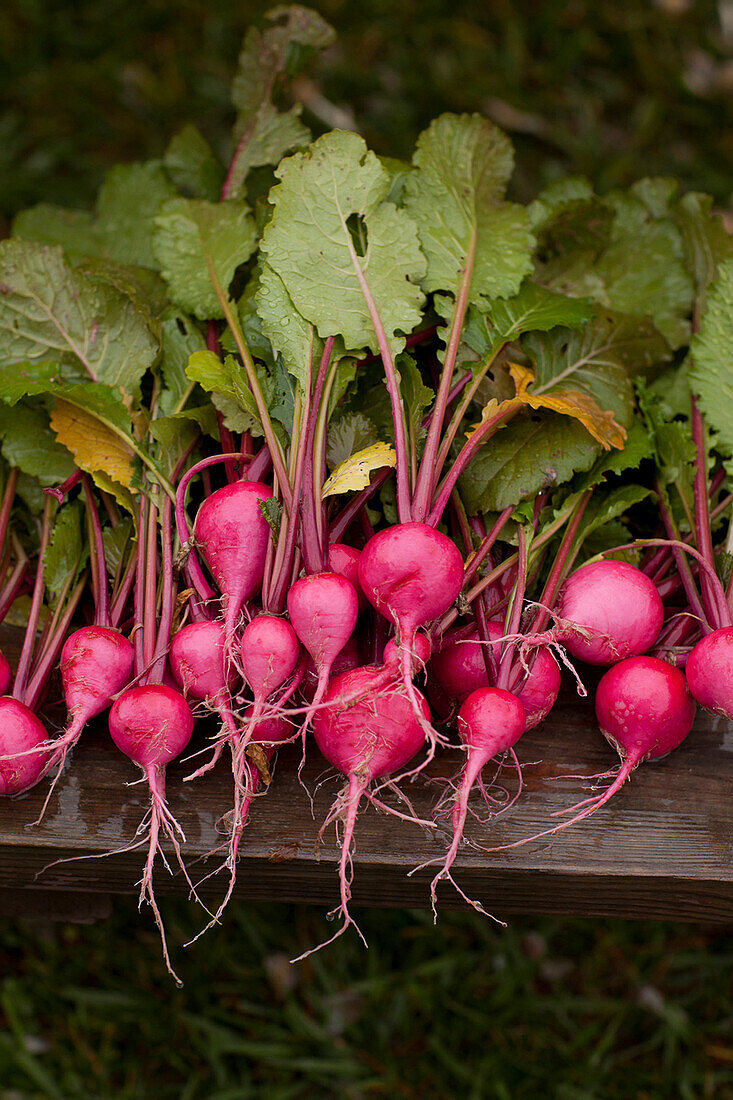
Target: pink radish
264,737
96,664
199,669
344,560
411,574
269,651
645,711
197,661
323,609
152,724
709,671
366,729
348,658
490,722
617,609
6,675
459,668
20,732
233,536
420,653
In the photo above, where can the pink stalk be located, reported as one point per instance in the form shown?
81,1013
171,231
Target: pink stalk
469,449
429,469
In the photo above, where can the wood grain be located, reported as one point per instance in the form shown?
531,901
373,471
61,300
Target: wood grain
663,848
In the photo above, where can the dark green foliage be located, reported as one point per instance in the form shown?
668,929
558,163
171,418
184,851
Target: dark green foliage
611,91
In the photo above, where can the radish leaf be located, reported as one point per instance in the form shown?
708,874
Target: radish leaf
121,229
288,332
190,162
455,197
535,308
180,338
531,454
348,433
354,473
711,374
705,241
268,58
49,310
29,444
190,235
333,189
66,553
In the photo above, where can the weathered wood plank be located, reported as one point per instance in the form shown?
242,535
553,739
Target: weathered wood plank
662,848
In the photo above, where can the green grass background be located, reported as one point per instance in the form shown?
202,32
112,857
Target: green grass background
567,1009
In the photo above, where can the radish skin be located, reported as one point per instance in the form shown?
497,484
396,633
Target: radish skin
233,536
645,710
709,672
200,670
6,675
197,662
96,664
617,608
269,652
20,732
323,609
411,574
344,560
459,668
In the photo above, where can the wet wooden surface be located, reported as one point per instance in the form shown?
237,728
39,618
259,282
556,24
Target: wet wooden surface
663,848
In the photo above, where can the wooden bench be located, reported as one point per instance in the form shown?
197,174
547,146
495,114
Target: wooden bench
663,848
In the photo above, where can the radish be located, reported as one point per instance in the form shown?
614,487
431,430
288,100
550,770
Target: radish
152,724
323,609
608,610
197,662
349,657
20,732
269,651
420,653
709,671
645,710
344,560
96,664
490,722
459,668
233,536
411,574
264,737
366,729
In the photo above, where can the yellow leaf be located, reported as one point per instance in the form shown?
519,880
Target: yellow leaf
354,472
601,424
95,446
490,412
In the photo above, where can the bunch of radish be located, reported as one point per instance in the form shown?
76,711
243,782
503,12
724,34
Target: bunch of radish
367,476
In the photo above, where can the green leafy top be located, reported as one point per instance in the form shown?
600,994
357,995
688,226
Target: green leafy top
455,197
50,311
711,374
192,236
335,241
263,135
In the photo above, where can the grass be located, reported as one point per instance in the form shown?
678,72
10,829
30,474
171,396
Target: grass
566,1009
